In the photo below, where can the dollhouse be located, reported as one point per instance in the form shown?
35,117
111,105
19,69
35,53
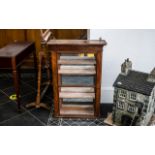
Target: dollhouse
134,96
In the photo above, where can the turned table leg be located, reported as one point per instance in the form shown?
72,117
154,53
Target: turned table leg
16,81
35,64
37,103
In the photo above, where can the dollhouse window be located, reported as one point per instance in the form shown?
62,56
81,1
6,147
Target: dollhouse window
149,109
133,96
153,95
120,105
131,108
145,108
122,94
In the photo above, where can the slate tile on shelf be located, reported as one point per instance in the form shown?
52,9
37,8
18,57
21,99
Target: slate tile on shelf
9,110
23,120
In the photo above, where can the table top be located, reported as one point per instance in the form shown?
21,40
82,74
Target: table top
77,42
13,49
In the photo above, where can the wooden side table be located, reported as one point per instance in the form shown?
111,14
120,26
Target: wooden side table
75,99
12,56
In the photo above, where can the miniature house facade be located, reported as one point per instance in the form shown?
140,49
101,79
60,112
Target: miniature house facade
134,96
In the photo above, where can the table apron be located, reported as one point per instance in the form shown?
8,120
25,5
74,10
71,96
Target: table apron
6,62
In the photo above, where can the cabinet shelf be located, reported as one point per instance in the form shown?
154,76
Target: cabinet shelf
70,57
77,71
71,85
77,89
77,95
73,109
81,67
76,62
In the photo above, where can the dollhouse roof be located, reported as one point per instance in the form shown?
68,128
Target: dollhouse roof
135,81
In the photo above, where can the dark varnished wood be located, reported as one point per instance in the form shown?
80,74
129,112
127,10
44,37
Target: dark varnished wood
70,33
77,42
8,36
17,50
57,47
98,82
12,56
55,83
66,46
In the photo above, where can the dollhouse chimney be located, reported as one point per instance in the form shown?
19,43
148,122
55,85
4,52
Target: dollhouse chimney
126,66
151,77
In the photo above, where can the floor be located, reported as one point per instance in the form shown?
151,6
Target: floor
9,116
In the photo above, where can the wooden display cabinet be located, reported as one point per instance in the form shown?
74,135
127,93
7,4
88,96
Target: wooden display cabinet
77,68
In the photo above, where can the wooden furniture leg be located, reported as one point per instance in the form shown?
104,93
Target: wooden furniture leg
98,82
47,67
35,64
37,103
16,82
45,36
55,84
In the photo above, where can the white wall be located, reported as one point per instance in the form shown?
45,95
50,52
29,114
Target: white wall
138,45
